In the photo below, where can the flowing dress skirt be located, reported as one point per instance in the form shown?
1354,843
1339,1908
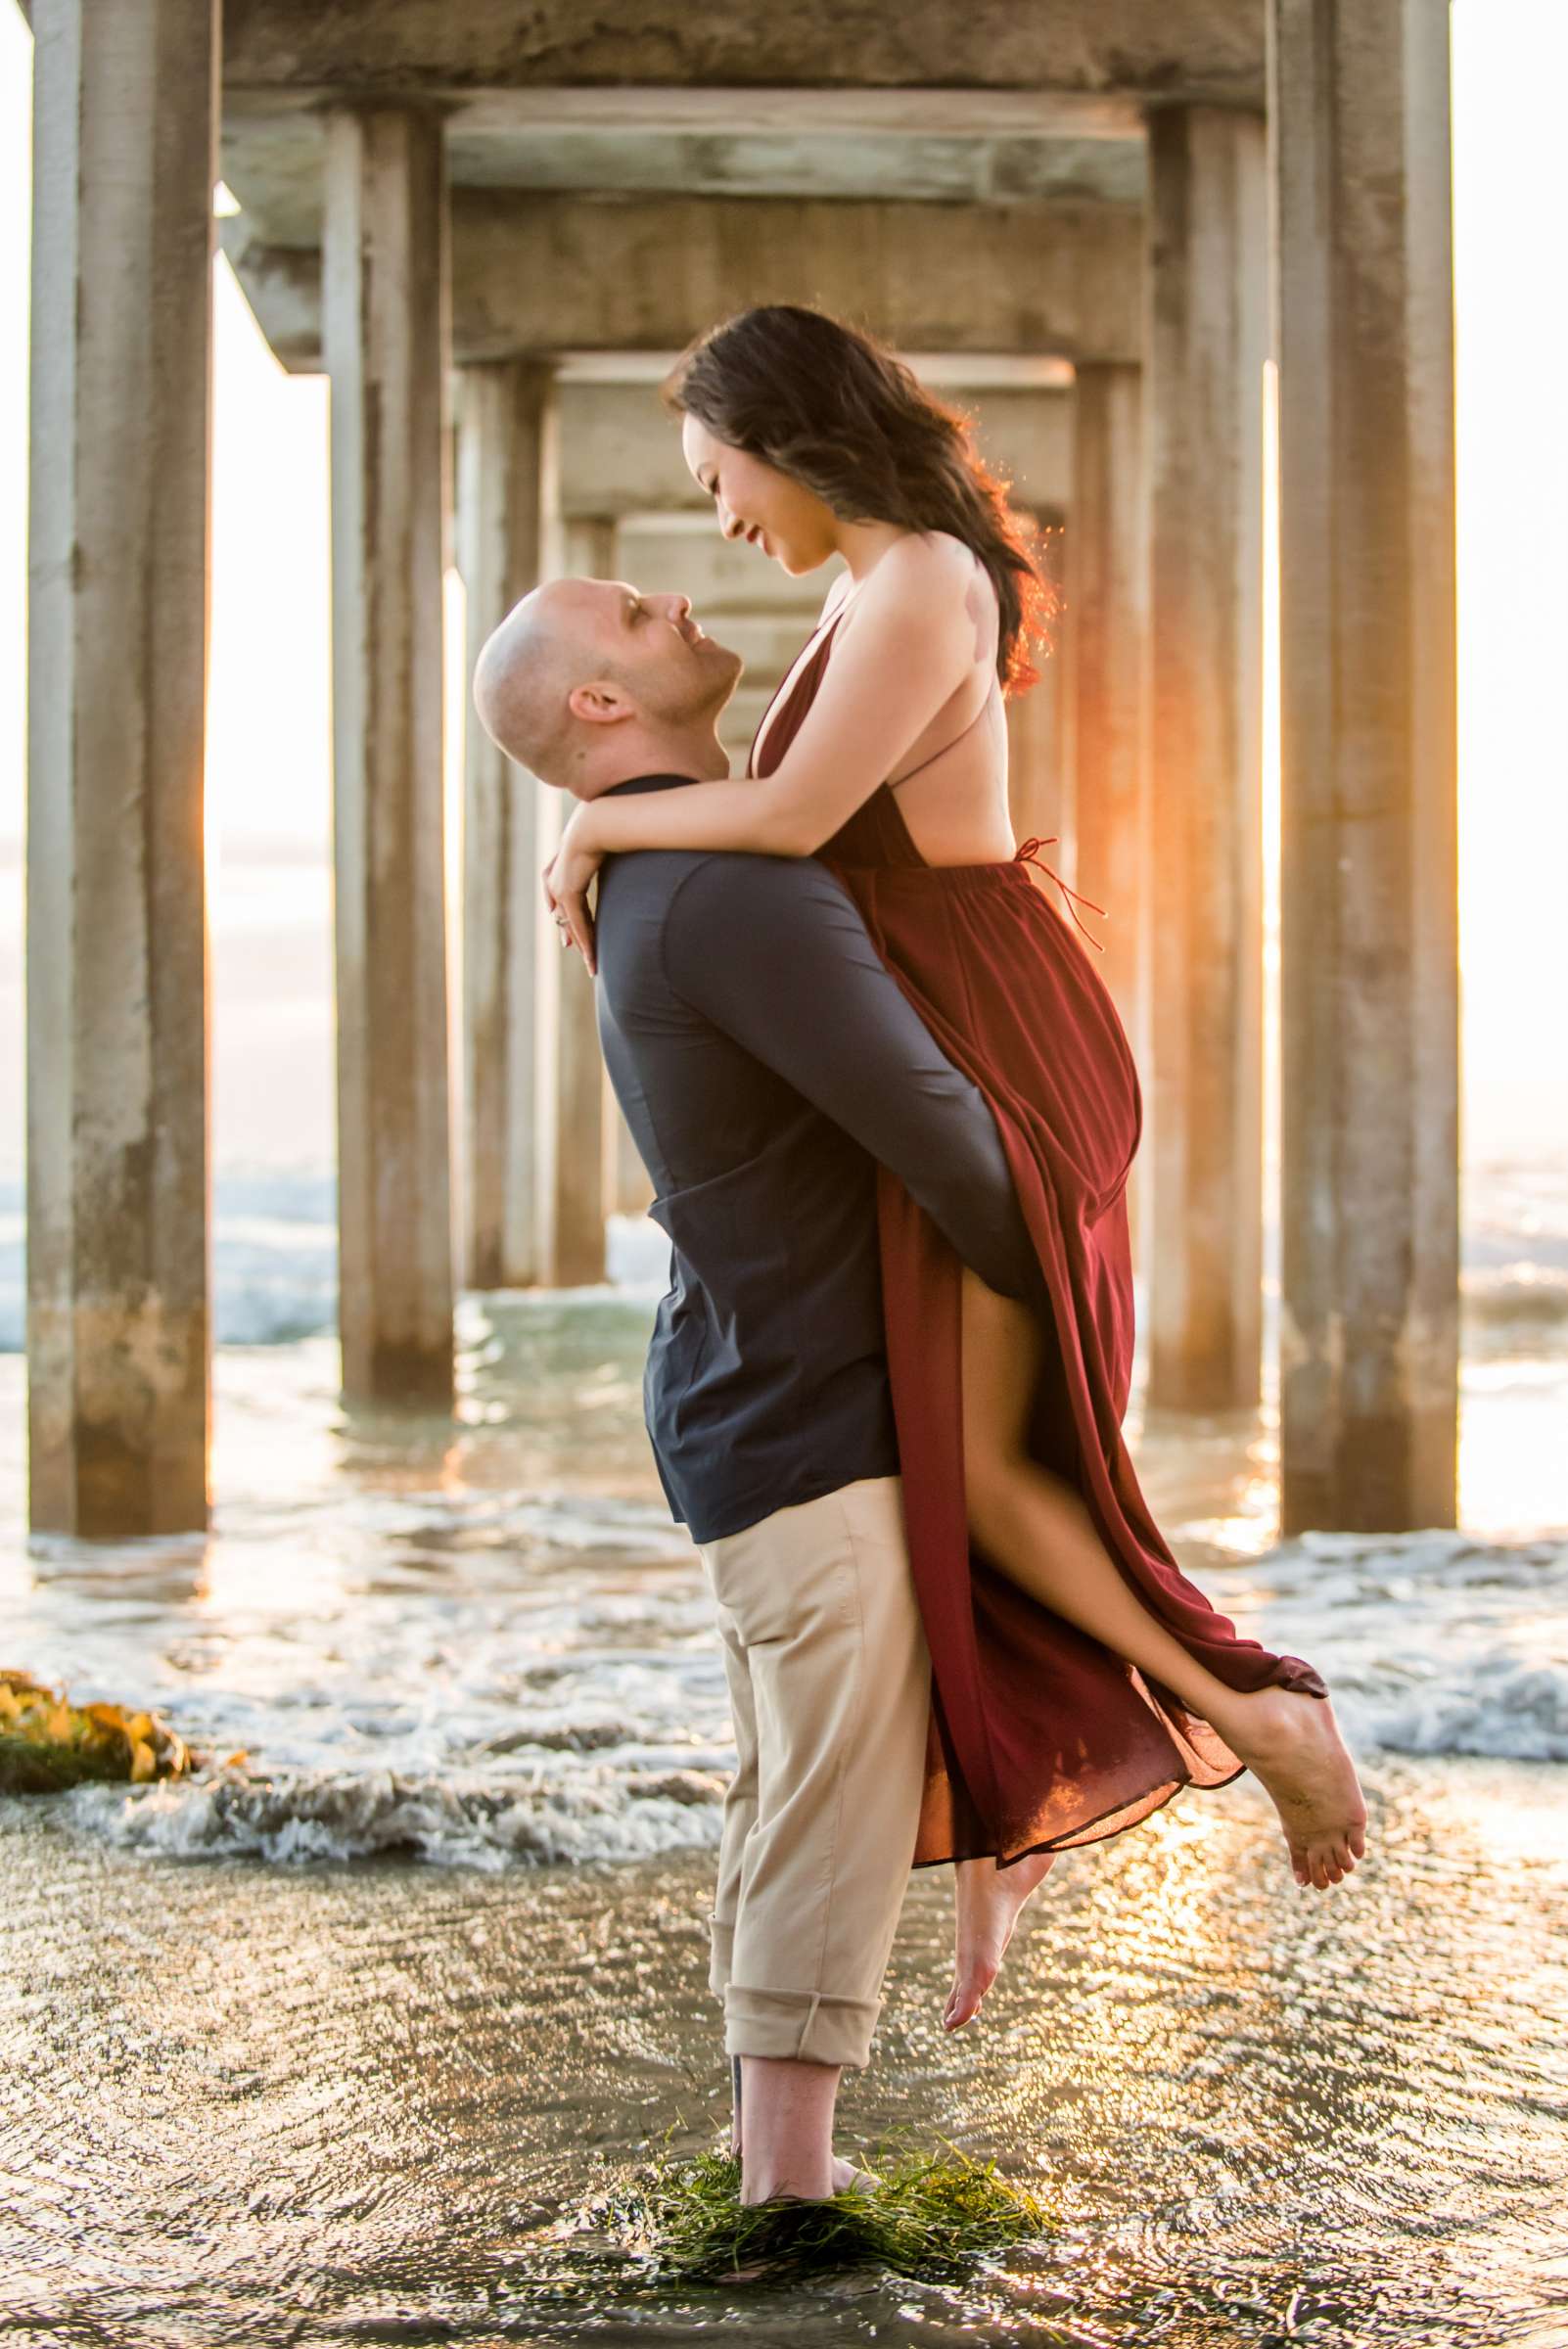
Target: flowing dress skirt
1040,1736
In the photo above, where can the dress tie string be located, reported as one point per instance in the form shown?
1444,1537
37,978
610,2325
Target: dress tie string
1027,855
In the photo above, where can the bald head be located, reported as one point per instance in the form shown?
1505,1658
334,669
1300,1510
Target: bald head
526,671
588,679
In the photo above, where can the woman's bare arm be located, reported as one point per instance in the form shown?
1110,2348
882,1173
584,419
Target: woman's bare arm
909,646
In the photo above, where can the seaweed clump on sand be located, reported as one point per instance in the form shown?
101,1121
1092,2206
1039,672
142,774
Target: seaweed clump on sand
926,2216
47,1744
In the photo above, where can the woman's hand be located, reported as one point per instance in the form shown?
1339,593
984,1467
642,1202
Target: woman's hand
567,880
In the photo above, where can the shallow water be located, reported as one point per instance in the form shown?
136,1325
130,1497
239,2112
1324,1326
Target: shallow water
267,2081
484,1642
352,2103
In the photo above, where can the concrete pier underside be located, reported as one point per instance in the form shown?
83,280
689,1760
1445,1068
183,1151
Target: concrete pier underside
1062,218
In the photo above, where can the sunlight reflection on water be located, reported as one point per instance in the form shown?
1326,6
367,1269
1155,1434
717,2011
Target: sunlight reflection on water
480,1642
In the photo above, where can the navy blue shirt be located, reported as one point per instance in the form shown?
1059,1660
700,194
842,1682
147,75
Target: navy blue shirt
765,1059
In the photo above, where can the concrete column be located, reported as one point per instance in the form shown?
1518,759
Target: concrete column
119,1341
574,1238
1369,982
1106,613
1204,440
1037,784
628,1188
383,294
1107,619
506,508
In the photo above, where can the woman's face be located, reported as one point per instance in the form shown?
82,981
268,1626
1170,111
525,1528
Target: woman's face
757,502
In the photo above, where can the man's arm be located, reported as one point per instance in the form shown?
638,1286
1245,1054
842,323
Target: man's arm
773,951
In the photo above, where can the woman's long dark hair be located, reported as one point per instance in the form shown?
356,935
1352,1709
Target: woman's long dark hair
829,406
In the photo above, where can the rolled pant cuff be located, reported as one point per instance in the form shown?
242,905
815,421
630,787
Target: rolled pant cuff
800,2026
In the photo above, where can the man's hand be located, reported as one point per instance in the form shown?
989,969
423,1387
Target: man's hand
568,878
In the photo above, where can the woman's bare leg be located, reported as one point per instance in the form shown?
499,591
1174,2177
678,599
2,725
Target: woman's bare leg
1039,1531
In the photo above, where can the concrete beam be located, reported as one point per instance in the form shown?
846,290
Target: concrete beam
943,147
507,478
575,273
722,576
1094,48
1370,979
119,1335
386,335
1208,340
620,451
282,283
544,274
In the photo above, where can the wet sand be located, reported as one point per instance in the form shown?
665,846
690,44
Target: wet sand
348,2104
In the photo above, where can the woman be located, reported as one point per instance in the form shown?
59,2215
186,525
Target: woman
1078,1679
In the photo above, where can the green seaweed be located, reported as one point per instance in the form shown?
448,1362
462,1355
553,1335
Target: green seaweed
929,2214
47,1744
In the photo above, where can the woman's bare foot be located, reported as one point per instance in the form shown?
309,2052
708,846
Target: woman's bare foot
1291,1742
988,1900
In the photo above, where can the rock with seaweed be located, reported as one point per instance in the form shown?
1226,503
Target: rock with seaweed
47,1744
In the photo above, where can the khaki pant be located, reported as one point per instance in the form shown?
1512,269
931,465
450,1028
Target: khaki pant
830,1684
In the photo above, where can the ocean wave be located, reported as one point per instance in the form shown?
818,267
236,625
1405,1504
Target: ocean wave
1434,1645
275,1257
275,1263
465,1819
1507,1710
576,1803
1510,1307
1432,1642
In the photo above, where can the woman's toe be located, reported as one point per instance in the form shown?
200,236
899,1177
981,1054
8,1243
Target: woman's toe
965,2000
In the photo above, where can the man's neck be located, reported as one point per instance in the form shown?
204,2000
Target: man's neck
698,753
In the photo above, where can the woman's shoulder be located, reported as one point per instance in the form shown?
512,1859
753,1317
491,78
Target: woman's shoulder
929,563
931,586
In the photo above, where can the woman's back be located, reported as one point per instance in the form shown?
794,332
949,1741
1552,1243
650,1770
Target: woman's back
951,783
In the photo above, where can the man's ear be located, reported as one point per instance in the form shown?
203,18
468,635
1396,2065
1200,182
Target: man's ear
602,705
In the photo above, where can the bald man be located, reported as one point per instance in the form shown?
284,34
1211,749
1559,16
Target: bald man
765,1061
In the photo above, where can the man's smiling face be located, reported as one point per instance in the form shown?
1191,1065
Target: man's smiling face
655,645
585,671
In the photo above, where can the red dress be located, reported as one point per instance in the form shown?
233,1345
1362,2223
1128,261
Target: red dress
1040,1736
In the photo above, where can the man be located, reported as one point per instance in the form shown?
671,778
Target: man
765,1060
